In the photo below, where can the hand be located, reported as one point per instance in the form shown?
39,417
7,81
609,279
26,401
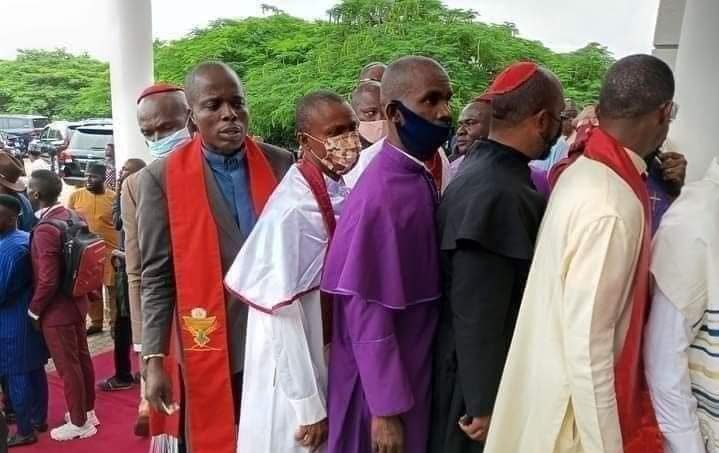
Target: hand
312,436
387,435
158,389
477,428
674,167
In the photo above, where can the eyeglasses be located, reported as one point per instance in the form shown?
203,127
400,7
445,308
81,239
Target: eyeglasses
674,111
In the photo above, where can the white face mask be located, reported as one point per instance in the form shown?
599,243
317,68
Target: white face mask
162,147
373,131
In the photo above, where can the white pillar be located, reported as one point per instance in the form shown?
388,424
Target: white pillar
697,66
131,71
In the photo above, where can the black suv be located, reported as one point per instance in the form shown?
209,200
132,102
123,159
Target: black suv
22,128
87,146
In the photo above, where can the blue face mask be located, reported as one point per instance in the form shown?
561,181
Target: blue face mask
420,137
162,147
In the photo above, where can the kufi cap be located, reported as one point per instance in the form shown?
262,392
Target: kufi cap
510,79
158,88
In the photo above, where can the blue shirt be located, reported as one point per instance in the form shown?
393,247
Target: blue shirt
233,181
21,346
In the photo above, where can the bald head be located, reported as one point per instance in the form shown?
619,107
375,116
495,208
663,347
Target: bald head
366,101
542,91
162,114
372,71
208,72
409,75
635,86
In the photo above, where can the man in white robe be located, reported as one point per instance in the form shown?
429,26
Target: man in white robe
565,384
682,344
285,381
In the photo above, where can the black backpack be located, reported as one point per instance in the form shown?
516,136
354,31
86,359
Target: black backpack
83,256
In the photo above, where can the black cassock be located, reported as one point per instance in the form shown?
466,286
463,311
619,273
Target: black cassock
488,222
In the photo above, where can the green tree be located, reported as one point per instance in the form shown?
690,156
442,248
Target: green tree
281,58
54,83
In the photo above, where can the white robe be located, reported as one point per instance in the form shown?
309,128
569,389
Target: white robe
371,151
278,273
681,344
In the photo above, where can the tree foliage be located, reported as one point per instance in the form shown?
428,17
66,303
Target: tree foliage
56,84
281,58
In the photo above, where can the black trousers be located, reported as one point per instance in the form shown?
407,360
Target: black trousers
123,324
123,349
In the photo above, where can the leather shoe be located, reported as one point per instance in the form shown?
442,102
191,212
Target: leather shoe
17,440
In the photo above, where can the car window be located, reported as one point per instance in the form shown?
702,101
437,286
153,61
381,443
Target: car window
19,123
40,122
3,123
90,141
45,133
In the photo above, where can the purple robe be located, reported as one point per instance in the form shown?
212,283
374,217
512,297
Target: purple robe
383,270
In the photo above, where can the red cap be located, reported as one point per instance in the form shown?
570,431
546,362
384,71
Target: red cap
157,88
510,79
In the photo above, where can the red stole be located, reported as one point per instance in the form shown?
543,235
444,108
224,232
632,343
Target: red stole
434,165
200,325
316,181
640,431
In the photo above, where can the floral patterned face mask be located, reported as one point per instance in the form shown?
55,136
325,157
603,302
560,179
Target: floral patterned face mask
341,151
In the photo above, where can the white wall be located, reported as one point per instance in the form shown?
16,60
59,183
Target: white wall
697,66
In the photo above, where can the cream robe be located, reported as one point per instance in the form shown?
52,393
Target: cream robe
557,391
285,378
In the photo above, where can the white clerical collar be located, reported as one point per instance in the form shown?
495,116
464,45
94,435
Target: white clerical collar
419,162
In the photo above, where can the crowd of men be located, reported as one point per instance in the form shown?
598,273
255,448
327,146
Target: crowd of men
396,289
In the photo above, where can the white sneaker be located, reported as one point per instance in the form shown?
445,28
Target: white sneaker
68,431
91,417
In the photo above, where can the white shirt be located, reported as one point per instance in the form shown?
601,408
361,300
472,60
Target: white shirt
681,344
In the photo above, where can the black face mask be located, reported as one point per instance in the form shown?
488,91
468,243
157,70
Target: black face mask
420,137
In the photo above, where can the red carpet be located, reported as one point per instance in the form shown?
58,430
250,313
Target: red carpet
116,411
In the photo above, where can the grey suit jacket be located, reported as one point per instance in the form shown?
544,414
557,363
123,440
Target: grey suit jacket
153,234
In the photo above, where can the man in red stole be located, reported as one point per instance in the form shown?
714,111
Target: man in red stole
574,378
194,210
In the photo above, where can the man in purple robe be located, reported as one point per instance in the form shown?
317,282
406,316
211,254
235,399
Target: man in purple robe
382,270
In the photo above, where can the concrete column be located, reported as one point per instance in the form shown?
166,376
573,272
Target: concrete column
668,30
696,70
131,71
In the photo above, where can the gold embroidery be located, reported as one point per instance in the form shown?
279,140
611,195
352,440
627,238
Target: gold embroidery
200,326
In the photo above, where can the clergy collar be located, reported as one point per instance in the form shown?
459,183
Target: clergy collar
414,159
639,163
219,160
